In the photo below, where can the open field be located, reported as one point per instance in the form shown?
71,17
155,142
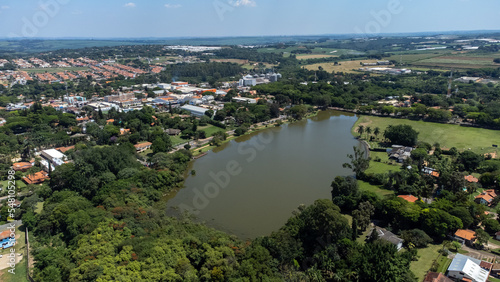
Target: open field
324,52
426,258
410,58
176,140
210,129
314,56
54,70
365,186
344,66
236,61
447,135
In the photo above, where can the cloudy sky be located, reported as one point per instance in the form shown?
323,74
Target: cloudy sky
206,18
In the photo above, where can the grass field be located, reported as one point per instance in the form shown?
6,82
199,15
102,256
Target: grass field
314,56
210,129
425,260
447,135
54,70
176,140
410,58
19,273
236,61
365,186
344,66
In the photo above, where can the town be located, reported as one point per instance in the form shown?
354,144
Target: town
183,141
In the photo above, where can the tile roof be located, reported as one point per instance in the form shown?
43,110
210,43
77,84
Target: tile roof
21,166
471,178
36,178
409,198
465,234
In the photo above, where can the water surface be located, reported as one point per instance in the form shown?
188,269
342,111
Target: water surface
250,186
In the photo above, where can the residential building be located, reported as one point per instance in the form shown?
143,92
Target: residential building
245,100
36,178
173,132
465,236
409,198
21,166
390,237
65,149
6,241
471,179
464,267
400,153
51,159
486,197
141,147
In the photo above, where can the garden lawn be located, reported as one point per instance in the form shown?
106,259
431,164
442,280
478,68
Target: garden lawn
365,186
425,260
210,129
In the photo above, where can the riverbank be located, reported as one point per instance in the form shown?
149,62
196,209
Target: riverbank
201,151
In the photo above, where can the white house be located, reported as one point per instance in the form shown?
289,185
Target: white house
466,267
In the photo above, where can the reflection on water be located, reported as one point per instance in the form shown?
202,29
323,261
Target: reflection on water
250,186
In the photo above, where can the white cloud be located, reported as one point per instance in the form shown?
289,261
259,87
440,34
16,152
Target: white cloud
129,5
172,6
247,3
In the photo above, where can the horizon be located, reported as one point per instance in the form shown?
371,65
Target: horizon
55,19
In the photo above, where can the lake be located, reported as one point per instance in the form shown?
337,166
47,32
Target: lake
250,186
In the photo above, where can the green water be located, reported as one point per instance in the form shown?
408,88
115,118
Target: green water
250,186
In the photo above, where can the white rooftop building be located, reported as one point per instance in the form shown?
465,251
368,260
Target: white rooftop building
467,267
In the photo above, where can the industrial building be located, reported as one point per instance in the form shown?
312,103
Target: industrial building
194,110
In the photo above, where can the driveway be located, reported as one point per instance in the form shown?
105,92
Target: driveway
480,255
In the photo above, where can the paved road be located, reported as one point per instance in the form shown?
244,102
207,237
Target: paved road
8,225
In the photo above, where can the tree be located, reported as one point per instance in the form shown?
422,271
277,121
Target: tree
361,130
376,132
456,245
470,160
417,237
160,146
368,132
209,113
363,215
482,238
359,162
401,135
491,226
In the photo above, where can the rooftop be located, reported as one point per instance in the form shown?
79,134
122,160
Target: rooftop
409,198
465,234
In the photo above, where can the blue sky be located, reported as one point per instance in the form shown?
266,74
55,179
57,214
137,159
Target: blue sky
206,18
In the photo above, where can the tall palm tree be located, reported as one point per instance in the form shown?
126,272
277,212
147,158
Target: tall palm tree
376,132
361,130
368,132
